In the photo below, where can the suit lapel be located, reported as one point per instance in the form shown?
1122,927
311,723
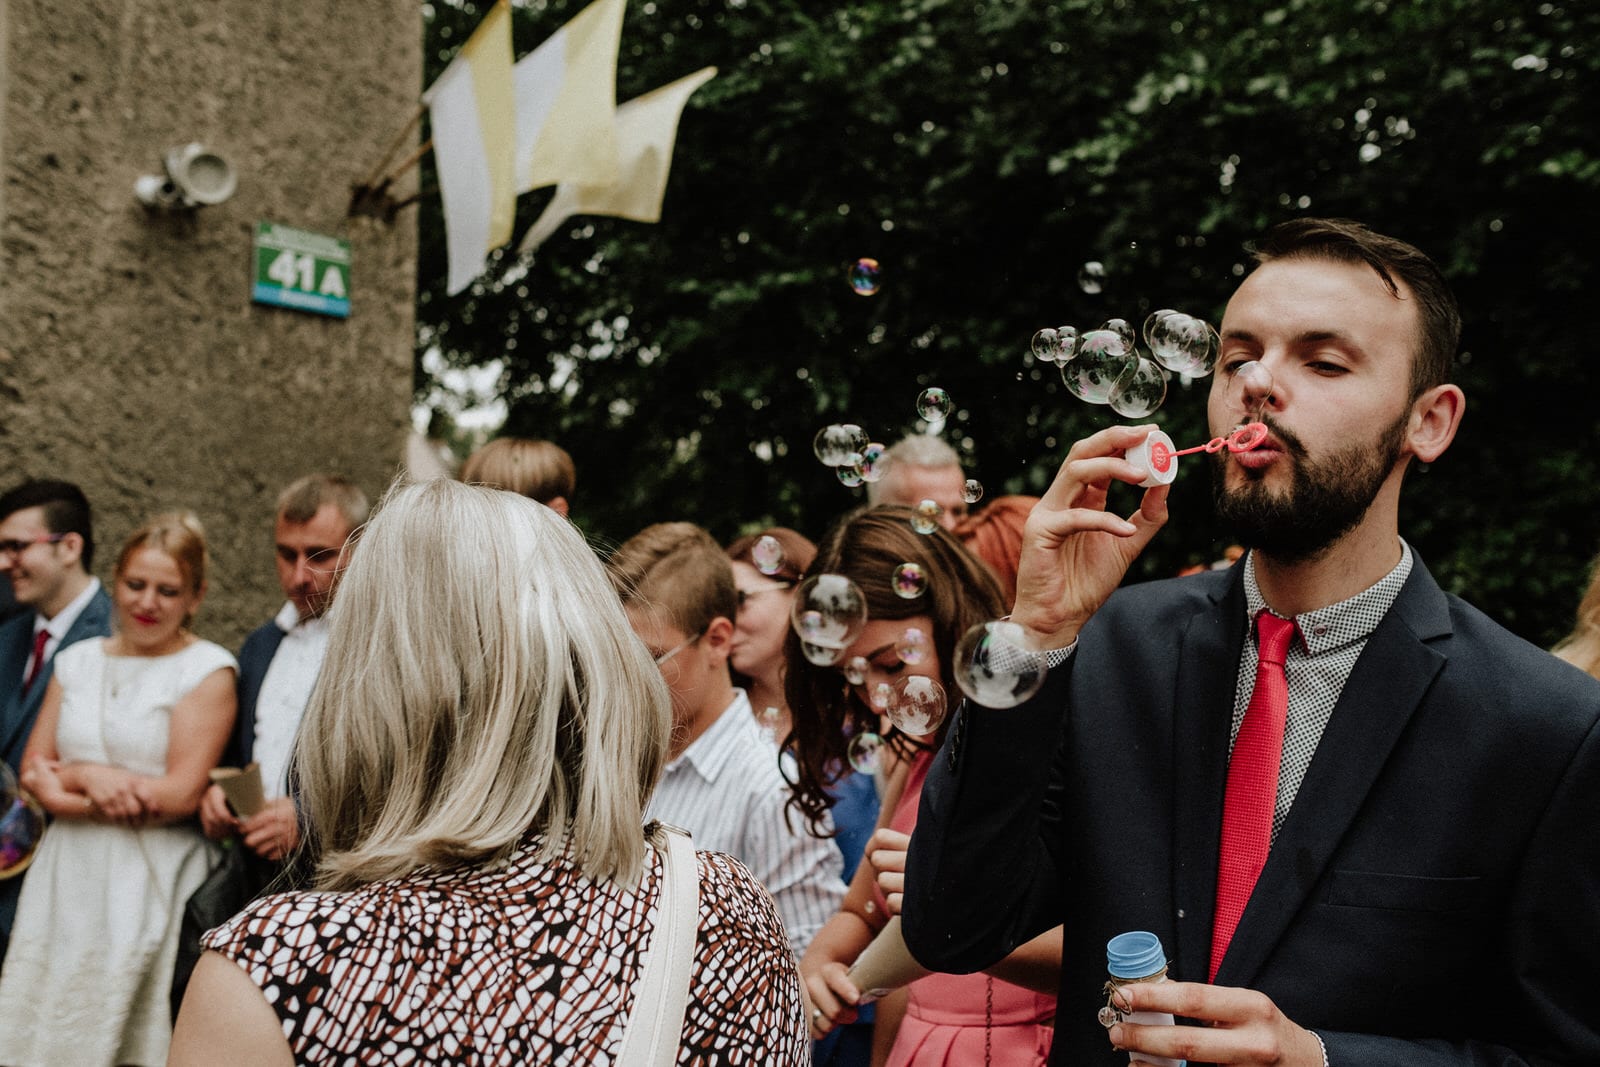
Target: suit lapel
18,715
1208,668
1387,685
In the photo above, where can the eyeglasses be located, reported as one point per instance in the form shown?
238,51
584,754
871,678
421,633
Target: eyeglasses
665,657
746,594
13,549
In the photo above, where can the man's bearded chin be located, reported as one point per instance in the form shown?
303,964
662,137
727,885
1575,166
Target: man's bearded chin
1326,498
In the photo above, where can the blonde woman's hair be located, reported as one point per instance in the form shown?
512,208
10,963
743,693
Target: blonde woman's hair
1581,647
179,535
481,681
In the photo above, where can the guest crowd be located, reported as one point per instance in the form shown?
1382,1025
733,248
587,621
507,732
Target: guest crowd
439,808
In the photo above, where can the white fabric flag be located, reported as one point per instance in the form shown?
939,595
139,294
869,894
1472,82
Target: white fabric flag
647,128
566,92
472,115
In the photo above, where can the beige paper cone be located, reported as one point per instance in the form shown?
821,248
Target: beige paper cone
242,788
886,964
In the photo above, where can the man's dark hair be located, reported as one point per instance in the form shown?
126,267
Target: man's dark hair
1438,317
66,510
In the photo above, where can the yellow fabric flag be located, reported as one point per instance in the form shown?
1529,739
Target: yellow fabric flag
473,117
566,92
646,128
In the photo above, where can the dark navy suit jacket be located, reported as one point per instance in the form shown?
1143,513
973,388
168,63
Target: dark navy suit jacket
1433,897
19,707
255,656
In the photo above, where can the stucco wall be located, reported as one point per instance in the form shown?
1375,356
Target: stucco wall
131,358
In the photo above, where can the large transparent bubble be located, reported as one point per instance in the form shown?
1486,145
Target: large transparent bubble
1181,343
829,613
874,462
865,753
934,404
1140,390
995,666
917,706
1102,357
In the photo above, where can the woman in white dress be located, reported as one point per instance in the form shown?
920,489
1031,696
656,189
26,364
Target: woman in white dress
119,756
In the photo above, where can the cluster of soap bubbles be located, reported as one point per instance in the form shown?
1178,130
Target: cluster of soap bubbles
853,456
1106,366
21,826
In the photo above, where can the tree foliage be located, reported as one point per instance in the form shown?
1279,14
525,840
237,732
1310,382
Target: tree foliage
983,153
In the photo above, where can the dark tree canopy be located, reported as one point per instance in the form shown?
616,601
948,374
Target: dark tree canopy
983,153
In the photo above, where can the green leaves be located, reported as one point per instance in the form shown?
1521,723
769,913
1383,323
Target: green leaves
983,152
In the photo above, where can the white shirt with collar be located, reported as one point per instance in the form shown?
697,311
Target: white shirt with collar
727,790
285,692
58,626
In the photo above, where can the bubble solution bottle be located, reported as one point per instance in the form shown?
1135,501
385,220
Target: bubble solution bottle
1132,957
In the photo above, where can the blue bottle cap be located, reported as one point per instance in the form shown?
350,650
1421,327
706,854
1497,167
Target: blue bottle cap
1135,954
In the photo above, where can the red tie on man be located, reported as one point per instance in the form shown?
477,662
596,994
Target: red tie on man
1252,791
36,664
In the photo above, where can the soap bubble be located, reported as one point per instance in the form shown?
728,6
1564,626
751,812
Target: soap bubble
1181,343
995,667
1055,344
1250,388
881,697
1045,344
835,444
874,462
768,554
1092,277
909,582
1102,358
850,473
972,491
912,646
917,707
829,612
864,276
1140,390
865,753
1122,329
925,516
21,826
934,405
855,670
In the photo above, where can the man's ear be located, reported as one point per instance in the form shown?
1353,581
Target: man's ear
719,635
1435,415
557,504
72,544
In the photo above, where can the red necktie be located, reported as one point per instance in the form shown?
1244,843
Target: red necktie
1252,791
36,664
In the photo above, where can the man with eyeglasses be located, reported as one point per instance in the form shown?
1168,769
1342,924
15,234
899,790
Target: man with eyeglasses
722,781
46,550
279,662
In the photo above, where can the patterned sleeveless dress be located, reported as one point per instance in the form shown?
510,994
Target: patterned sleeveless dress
528,963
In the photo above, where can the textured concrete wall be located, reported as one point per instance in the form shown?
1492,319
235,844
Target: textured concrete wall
131,358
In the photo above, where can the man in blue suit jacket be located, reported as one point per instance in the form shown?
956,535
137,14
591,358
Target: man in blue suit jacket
1427,889
46,550
279,661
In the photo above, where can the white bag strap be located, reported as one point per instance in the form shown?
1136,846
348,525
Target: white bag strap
655,1029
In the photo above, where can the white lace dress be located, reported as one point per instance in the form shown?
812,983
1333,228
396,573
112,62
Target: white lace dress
86,978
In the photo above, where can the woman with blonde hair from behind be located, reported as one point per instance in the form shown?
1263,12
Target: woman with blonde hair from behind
473,769
1581,647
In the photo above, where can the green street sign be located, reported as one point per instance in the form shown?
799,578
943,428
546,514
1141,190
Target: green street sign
301,270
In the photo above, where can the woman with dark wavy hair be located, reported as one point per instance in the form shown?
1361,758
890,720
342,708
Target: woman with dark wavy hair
949,1019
